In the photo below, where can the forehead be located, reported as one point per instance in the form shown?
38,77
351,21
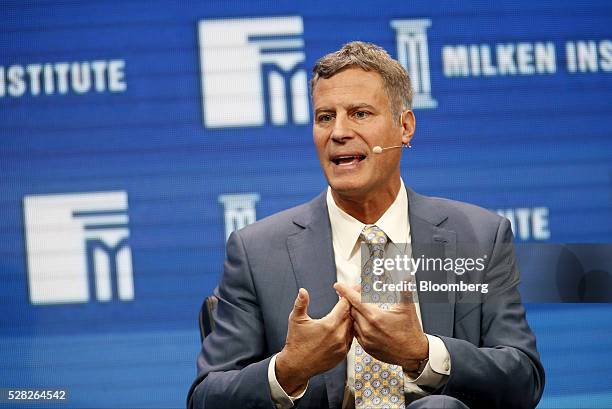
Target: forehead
350,86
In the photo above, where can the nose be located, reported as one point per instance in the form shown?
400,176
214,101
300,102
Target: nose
341,132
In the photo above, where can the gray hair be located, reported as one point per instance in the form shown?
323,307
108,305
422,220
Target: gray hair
368,57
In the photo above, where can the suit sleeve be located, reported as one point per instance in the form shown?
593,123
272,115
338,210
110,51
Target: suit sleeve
233,362
504,371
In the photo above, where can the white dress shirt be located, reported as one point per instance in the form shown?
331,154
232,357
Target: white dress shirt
346,232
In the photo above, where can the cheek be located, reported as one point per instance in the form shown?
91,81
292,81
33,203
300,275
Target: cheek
320,147
320,143
382,134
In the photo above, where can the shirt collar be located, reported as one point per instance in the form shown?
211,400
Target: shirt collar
346,229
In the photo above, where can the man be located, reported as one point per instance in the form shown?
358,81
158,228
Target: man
328,348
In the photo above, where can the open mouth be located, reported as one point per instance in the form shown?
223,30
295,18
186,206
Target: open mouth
345,160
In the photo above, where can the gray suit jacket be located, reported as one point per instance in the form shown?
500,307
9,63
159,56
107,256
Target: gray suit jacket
493,353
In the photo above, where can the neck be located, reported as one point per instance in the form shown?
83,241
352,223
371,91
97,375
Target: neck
370,207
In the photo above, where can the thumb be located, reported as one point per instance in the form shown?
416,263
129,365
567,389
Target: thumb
300,307
406,298
406,302
340,310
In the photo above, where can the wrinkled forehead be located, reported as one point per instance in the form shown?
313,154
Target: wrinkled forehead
349,87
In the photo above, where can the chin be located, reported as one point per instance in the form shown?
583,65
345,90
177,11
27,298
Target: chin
347,187
349,184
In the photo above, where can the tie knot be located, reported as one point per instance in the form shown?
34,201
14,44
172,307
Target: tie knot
374,236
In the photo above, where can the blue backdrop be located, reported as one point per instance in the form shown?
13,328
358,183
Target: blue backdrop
134,135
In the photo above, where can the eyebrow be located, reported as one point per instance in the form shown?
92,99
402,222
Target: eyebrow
349,107
360,105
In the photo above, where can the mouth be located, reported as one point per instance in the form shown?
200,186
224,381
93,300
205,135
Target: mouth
347,159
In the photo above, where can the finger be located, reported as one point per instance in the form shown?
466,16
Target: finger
340,310
359,319
406,297
350,294
300,306
366,311
350,334
358,333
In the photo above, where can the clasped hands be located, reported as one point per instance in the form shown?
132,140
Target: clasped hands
314,346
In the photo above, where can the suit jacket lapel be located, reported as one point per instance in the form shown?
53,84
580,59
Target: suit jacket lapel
432,241
312,257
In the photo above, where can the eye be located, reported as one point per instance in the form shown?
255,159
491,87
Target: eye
361,114
324,118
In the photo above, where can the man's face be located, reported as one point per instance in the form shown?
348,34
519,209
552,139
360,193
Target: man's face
352,115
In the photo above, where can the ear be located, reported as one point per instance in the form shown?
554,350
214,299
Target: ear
408,123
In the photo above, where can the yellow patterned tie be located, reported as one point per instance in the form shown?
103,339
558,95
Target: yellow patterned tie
377,384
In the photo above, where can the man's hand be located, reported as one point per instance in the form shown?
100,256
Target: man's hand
312,346
394,335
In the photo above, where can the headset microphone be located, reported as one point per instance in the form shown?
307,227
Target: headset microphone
378,149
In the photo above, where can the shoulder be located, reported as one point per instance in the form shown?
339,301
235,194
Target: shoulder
285,223
464,211
469,221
